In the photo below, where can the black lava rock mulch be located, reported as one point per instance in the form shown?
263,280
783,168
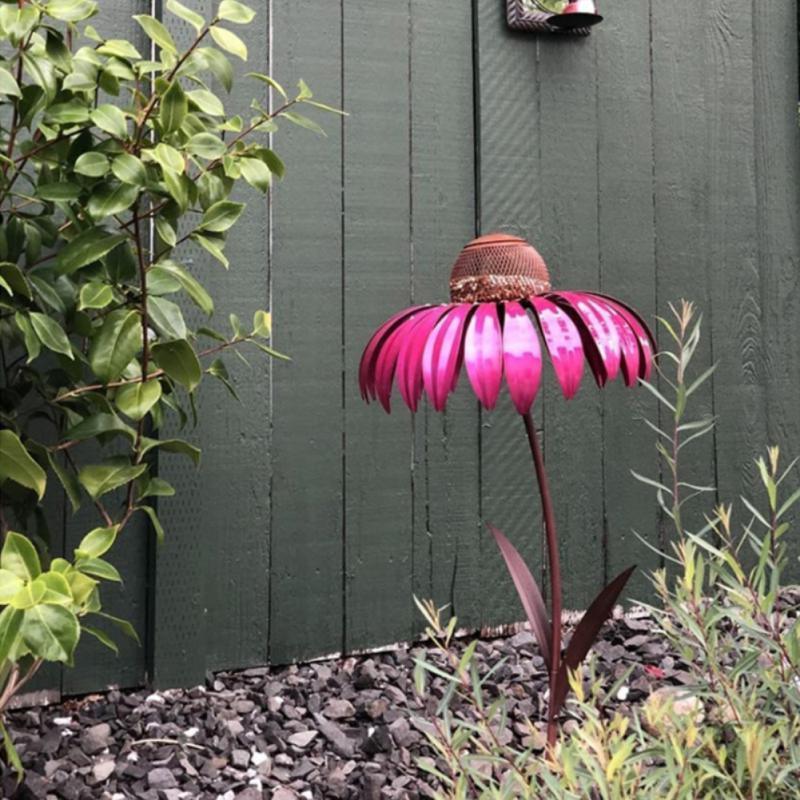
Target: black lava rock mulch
351,728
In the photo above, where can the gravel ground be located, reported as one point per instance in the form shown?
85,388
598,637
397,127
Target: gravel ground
350,728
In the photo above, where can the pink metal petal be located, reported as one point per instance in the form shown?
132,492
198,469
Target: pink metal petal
409,362
522,357
442,355
646,340
601,339
629,344
483,354
366,369
387,360
563,343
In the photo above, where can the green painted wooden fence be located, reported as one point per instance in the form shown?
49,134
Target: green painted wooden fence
658,158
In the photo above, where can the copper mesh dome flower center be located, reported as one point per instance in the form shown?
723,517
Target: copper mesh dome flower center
496,268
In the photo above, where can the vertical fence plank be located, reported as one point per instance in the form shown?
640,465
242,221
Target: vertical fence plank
777,142
307,495
378,506
510,198
739,382
681,144
627,270
97,666
570,242
447,535
211,574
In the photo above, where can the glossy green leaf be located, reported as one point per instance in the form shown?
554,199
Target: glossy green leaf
98,424
71,10
221,216
234,11
168,157
51,334
92,164
95,295
256,173
97,542
207,102
270,81
110,199
157,32
158,528
56,588
136,399
190,285
81,586
213,246
98,568
303,122
86,248
99,479
206,145
129,169
186,14
8,84
16,464
157,487
167,318
116,344
122,624
15,278
47,293
119,48
10,626
57,192
67,479
174,107
262,324
229,41
32,343
178,446
19,557
51,632
111,120
101,637
180,362
10,584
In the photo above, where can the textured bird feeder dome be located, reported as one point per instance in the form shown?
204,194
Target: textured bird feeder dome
496,268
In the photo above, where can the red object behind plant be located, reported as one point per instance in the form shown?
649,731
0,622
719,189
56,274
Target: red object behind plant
502,317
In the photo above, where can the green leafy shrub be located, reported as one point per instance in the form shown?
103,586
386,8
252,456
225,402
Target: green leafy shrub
112,164
733,731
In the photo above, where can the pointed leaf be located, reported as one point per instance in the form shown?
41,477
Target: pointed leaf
157,32
527,591
229,41
87,247
19,557
179,361
17,464
136,400
586,632
51,632
116,344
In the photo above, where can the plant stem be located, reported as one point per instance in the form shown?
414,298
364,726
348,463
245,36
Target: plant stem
554,565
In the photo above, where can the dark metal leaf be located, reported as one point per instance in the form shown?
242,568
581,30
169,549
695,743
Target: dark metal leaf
586,632
528,591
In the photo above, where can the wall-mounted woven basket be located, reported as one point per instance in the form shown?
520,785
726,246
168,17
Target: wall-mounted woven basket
522,15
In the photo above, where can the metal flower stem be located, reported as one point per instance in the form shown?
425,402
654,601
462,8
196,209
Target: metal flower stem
554,570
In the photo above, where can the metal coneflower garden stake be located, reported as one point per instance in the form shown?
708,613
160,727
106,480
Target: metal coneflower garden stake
502,309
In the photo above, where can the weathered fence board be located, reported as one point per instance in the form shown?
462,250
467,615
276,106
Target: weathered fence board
657,159
509,198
